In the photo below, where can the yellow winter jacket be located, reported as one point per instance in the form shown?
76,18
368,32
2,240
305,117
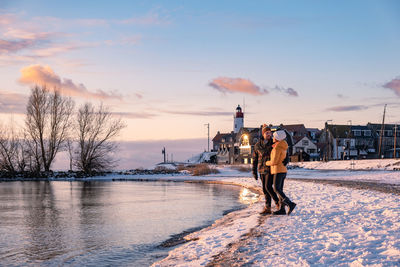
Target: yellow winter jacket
278,154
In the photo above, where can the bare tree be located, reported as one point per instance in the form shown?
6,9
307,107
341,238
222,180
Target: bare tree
47,122
70,148
12,156
97,127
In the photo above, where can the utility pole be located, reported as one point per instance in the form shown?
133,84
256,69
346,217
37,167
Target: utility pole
349,137
327,135
382,133
395,135
208,134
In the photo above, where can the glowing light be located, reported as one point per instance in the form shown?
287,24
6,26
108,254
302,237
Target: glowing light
244,142
247,197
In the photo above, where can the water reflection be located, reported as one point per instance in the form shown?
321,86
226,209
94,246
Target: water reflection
248,197
42,213
103,223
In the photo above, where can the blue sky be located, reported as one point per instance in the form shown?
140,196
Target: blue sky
169,67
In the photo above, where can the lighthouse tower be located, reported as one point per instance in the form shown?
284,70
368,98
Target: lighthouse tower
238,119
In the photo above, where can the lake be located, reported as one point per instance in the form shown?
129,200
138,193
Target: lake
104,223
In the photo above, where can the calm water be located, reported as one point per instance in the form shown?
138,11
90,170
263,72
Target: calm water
102,223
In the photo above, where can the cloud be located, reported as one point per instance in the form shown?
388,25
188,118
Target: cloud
17,39
288,91
44,75
14,46
199,113
347,108
12,102
240,85
393,85
56,49
136,115
236,85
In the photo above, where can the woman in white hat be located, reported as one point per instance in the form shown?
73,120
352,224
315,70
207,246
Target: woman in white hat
278,169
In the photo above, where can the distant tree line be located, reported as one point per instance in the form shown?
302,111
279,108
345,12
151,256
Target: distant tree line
52,125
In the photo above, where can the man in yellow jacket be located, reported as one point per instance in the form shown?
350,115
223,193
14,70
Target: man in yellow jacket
278,170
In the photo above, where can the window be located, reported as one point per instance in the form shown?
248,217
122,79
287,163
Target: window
310,151
304,142
367,132
223,140
357,132
299,149
378,133
389,133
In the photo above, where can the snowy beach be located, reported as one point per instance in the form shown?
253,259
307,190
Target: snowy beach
331,225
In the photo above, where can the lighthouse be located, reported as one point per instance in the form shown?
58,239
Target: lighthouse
238,119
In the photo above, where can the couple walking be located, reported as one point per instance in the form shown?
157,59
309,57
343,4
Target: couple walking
270,158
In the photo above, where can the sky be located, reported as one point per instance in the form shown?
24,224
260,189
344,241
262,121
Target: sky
170,67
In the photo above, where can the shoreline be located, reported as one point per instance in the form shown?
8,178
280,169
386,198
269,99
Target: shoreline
234,230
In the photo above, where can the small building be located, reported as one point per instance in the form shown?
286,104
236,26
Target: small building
304,149
347,142
384,142
223,144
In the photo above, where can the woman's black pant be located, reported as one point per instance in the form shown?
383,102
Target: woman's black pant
267,180
279,180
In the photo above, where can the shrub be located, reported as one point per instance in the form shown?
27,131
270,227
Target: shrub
203,169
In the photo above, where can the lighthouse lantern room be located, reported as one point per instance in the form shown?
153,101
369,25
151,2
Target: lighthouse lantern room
238,119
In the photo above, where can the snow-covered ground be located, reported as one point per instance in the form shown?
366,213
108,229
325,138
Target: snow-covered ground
365,164
377,171
334,226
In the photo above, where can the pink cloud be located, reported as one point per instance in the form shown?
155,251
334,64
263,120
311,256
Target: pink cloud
393,85
44,75
347,108
236,85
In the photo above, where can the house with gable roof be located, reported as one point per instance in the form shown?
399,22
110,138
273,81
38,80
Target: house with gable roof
304,149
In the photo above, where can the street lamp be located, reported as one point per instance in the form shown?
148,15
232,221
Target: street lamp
395,135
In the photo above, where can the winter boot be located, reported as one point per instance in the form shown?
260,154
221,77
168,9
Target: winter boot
267,210
281,210
290,204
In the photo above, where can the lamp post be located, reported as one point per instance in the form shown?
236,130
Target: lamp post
348,136
395,135
208,136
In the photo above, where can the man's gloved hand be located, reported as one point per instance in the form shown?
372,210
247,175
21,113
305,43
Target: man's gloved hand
255,175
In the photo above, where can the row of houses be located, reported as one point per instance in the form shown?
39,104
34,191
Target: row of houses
333,142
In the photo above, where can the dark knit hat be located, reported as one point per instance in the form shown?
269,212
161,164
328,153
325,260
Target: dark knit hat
265,128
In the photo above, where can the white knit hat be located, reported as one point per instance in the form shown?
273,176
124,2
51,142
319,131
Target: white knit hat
279,135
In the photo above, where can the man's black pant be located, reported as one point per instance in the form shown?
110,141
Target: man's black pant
267,180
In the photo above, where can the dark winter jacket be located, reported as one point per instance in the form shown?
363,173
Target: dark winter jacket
261,154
